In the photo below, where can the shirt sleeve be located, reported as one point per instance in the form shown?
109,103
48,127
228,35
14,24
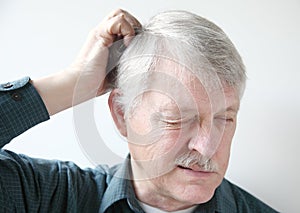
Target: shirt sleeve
21,108
38,185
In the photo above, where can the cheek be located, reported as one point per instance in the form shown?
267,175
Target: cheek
228,135
170,144
156,159
223,153
161,144
139,124
140,129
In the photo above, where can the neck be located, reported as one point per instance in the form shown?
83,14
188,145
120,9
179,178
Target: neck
148,193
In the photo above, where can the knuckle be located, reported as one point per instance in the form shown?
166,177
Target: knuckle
102,41
121,16
119,10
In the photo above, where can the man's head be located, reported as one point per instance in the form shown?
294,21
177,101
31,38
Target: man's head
176,100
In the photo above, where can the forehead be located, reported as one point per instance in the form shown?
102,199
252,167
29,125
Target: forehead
172,84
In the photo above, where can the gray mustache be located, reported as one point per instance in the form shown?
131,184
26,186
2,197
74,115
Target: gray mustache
193,158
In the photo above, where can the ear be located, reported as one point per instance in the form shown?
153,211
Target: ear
117,112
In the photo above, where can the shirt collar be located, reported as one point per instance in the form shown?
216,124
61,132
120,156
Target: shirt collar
225,198
119,187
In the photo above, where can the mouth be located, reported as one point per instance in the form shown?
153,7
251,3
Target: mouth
182,167
195,171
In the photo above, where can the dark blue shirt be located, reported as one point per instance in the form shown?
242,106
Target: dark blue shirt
38,185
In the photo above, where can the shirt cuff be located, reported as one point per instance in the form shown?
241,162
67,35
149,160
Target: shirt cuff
21,108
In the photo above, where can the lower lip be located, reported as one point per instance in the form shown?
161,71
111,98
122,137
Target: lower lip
197,174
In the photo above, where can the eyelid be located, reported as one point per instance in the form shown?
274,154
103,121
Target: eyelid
225,118
185,119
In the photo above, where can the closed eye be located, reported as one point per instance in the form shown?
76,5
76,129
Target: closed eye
225,119
173,123
178,123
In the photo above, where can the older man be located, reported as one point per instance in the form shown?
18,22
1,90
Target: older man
175,96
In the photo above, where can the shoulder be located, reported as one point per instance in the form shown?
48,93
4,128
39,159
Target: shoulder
243,200
49,181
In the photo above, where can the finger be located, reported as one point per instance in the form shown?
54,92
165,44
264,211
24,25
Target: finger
120,26
103,35
116,27
130,18
114,13
111,21
124,29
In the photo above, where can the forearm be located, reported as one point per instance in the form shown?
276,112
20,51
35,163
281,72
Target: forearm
69,87
56,91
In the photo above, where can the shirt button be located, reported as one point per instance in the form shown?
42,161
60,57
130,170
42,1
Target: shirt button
7,85
16,96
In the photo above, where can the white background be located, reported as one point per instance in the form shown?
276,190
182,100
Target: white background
41,37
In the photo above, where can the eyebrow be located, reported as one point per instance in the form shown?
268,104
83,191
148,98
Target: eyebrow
186,110
177,114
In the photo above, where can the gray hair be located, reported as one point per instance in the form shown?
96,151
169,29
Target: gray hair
183,37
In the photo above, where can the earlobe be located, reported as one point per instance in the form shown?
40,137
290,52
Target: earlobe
117,112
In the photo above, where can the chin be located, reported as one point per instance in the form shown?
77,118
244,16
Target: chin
194,191
197,194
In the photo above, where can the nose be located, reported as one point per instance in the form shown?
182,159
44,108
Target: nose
204,141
